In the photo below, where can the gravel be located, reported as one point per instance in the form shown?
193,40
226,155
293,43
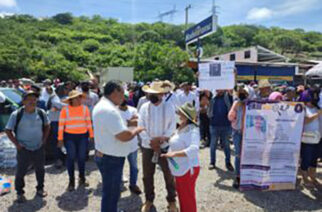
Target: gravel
214,193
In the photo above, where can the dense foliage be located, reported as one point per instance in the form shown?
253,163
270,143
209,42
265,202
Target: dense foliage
65,46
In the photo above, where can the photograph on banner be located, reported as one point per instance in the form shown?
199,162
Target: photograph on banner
271,145
217,75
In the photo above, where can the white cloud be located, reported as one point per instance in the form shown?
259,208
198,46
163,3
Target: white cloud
4,14
8,3
259,13
286,8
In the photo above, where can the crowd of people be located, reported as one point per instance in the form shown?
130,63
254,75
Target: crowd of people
166,122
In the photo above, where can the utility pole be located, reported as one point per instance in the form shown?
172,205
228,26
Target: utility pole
187,20
187,15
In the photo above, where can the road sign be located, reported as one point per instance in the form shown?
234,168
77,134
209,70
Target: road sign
201,30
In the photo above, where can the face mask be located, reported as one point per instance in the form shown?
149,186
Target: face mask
154,99
124,103
242,96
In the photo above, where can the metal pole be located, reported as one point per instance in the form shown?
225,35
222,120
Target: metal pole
187,20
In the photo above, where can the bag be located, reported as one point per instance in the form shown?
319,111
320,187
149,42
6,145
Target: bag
312,137
20,114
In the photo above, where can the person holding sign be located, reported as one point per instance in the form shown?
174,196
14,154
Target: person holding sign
183,157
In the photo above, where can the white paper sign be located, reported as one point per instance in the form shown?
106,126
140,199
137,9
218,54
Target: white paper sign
217,75
271,145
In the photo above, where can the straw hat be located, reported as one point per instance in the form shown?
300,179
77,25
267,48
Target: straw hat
189,111
264,84
171,86
72,95
157,87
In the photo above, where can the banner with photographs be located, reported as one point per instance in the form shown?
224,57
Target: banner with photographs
217,75
271,145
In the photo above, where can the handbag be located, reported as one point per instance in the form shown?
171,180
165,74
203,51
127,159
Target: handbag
312,137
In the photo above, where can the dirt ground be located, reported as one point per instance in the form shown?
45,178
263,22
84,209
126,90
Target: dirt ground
214,193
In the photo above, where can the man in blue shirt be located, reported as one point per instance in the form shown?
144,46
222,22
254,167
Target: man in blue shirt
220,126
28,129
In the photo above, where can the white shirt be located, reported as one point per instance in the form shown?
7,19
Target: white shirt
187,139
107,123
142,100
157,120
91,100
127,115
183,98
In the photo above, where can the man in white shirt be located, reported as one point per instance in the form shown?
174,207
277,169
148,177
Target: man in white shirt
158,118
130,117
187,96
112,143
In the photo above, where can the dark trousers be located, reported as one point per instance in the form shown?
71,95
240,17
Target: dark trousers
53,140
148,175
309,156
204,128
76,146
24,159
111,169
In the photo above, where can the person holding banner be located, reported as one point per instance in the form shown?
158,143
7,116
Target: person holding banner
235,115
310,139
183,157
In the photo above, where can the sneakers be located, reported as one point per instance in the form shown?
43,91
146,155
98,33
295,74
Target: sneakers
172,207
212,166
146,207
41,193
229,167
21,198
135,190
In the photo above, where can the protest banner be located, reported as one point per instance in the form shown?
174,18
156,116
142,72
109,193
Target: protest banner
217,75
271,145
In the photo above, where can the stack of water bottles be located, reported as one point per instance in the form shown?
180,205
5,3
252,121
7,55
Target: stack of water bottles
8,152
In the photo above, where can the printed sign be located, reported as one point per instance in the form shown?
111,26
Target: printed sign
217,75
271,145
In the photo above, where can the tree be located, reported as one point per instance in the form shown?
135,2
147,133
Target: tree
288,43
90,45
64,18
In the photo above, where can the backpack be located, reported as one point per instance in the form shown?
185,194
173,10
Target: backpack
20,114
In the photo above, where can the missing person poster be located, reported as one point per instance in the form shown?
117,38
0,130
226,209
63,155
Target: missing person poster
217,75
271,145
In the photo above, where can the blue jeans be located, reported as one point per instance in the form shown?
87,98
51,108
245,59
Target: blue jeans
133,162
111,169
237,138
221,133
76,146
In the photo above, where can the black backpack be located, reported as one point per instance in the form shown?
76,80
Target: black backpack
20,114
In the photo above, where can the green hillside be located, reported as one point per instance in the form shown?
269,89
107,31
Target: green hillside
65,46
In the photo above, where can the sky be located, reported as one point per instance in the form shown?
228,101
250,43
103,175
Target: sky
290,14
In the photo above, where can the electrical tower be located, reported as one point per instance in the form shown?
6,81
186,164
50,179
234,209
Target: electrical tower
168,13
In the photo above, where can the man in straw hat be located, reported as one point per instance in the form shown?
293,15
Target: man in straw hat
158,118
265,89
